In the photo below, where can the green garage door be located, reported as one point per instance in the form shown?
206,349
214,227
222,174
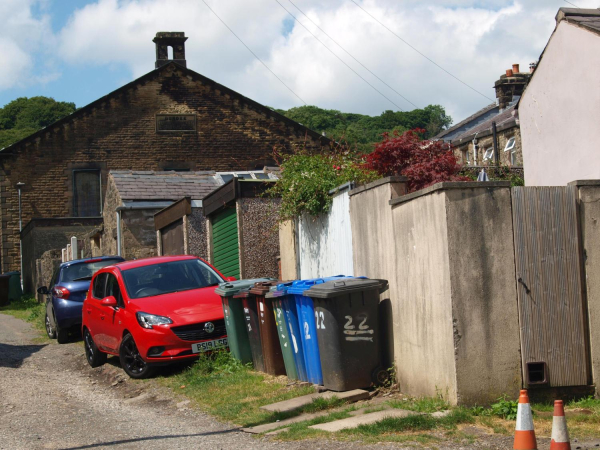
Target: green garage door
226,250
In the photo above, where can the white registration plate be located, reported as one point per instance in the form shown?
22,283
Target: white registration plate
209,345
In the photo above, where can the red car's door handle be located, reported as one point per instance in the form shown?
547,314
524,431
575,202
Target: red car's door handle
102,317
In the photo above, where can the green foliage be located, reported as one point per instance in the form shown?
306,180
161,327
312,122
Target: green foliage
24,116
422,404
28,309
507,409
322,404
362,131
307,178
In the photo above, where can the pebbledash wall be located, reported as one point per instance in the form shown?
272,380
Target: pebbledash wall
119,132
448,254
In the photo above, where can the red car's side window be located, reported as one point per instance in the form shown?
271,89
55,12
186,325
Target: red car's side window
99,288
112,288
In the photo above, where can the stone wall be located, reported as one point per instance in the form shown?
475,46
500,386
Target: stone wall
259,249
485,142
118,132
112,200
138,234
43,235
46,265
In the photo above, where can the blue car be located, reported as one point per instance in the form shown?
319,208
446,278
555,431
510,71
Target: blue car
64,297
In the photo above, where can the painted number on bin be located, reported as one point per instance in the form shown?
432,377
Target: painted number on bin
360,334
320,318
306,331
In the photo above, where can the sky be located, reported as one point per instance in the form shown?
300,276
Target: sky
361,56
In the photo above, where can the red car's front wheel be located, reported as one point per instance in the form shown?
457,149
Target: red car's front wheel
131,360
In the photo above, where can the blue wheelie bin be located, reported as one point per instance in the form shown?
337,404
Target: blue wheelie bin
305,312
290,314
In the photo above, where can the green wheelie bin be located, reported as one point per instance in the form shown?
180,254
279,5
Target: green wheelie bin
233,311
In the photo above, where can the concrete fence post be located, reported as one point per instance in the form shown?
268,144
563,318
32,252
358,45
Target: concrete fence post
64,255
74,252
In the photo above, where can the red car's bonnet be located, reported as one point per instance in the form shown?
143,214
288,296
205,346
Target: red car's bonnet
187,307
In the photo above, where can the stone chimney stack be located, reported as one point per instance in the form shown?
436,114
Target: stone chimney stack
175,40
510,86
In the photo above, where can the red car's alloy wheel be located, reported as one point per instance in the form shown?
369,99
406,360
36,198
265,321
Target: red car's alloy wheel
131,360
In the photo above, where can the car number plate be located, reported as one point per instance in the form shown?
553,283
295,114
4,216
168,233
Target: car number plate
209,345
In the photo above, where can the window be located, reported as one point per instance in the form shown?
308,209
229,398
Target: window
112,288
85,270
99,286
489,154
510,144
86,193
225,177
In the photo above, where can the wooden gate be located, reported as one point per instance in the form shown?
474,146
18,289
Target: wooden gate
172,239
552,313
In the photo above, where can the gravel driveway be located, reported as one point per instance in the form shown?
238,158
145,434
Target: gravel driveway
50,398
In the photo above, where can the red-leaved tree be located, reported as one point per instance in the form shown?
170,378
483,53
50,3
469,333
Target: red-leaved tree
423,162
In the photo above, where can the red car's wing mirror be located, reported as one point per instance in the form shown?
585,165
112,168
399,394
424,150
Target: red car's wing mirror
109,301
230,279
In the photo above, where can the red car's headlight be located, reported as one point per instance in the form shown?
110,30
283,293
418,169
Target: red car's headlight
149,320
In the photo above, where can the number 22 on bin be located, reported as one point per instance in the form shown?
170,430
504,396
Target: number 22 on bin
353,334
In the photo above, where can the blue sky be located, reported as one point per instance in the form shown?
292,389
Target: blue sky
80,50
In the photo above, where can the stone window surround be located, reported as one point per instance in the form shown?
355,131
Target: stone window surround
75,167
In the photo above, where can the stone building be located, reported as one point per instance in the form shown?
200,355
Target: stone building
172,118
132,200
492,134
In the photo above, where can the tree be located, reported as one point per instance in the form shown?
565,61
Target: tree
24,116
361,131
423,162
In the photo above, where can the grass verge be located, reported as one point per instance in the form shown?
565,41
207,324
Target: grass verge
27,309
231,391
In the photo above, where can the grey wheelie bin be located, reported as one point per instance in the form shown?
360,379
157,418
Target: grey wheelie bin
347,319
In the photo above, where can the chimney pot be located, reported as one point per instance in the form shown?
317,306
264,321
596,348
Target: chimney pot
515,68
509,72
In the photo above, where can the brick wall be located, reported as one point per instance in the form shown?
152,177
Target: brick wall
260,237
118,132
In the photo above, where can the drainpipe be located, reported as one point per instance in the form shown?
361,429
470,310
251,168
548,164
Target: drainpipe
495,137
118,232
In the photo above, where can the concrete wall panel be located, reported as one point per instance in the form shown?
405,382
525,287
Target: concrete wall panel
423,332
484,297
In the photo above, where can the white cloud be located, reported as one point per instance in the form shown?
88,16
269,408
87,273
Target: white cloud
474,40
22,36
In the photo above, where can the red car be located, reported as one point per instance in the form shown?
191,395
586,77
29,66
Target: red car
153,311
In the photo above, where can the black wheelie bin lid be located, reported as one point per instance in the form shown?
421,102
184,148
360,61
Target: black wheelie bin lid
335,288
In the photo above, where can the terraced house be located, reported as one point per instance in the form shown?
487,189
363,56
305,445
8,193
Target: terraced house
172,118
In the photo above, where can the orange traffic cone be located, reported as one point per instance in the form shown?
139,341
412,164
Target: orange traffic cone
560,434
524,434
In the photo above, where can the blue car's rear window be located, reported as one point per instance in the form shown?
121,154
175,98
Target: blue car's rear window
85,270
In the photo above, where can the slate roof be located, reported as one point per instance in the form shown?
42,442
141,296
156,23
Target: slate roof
586,18
463,123
150,185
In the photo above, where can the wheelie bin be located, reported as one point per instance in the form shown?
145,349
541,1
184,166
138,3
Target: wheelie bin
308,330
288,346
267,324
233,311
4,287
347,318
252,328
287,305
14,286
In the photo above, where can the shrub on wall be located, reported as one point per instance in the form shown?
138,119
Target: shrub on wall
307,178
423,162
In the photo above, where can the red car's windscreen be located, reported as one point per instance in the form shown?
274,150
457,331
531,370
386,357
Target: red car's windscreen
168,277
